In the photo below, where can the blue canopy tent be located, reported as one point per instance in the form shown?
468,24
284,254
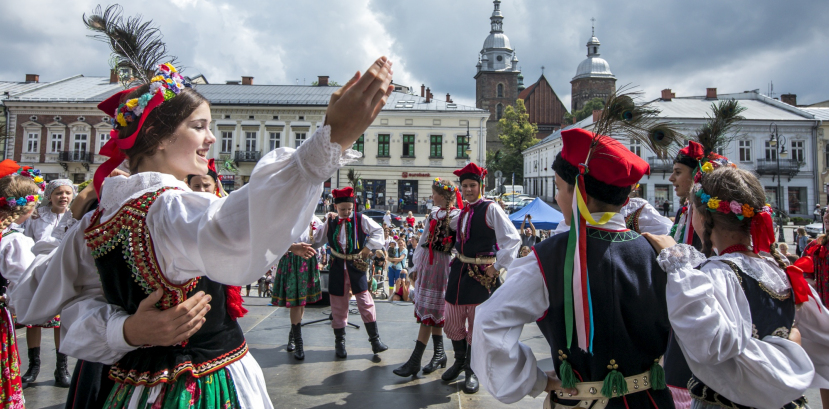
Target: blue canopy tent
544,217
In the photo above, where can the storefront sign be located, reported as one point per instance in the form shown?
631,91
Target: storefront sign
415,175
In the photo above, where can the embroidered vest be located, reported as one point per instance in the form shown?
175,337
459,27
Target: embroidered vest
124,254
630,327
336,278
462,288
440,238
771,314
632,220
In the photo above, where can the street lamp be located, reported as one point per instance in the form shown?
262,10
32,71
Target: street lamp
468,150
776,140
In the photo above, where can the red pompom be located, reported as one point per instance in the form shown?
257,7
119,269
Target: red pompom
234,302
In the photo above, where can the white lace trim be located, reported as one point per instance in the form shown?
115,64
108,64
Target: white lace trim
319,158
764,270
678,256
119,189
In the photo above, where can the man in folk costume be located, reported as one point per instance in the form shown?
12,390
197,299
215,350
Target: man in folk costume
353,238
486,243
597,294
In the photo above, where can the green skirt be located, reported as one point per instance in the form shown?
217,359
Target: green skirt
213,391
296,282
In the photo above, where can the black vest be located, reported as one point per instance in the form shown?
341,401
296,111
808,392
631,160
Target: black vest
771,314
462,289
125,257
336,277
630,314
677,371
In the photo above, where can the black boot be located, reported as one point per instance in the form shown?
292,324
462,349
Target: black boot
291,344
460,356
34,366
412,366
471,384
439,358
62,379
339,342
377,346
296,330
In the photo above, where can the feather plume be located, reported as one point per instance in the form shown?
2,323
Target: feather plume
720,130
135,44
622,118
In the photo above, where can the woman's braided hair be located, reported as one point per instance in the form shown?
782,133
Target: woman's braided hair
16,186
728,183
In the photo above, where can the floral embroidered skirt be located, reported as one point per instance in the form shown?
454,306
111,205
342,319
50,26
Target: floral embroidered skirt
430,288
296,282
53,323
11,388
213,391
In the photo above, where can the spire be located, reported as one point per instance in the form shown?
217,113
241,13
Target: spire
497,19
594,44
593,20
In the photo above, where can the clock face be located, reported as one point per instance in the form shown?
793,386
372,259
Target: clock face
500,58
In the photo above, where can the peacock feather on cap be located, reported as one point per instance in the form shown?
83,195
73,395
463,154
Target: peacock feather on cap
720,128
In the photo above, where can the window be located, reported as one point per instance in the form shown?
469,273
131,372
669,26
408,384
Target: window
499,111
771,151
408,146
302,117
227,141
31,142
273,140
436,146
797,151
636,147
745,151
103,138
250,141
227,116
359,146
80,147
500,89
56,143
771,195
299,138
276,117
383,145
250,116
463,144
797,200
826,156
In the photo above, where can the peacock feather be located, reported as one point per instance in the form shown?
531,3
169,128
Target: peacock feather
719,130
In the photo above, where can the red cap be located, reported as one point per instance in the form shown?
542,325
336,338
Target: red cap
343,195
693,150
109,105
471,171
611,162
8,167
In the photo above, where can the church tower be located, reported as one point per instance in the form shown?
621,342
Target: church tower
497,77
593,77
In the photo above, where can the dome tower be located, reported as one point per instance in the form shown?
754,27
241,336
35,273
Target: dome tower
593,77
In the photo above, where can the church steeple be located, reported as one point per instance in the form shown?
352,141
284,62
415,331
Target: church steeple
497,53
497,19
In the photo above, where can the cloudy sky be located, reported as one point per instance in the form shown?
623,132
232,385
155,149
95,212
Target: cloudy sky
733,45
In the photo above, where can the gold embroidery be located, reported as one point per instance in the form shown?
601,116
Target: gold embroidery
133,377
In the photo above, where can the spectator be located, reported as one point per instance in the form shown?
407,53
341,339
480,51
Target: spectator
666,208
528,237
524,252
784,249
387,219
402,287
410,219
801,240
396,256
817,215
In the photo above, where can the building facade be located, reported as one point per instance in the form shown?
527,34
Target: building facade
798,174
593,77
544,107
822,114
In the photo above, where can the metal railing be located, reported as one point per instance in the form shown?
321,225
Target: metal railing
248,156
662,165
788,167
76,156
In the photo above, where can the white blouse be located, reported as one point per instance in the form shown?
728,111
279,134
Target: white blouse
45,223
505,234
711,318
15,256
372,230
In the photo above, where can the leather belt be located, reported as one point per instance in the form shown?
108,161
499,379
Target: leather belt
476,260
346,257
590,393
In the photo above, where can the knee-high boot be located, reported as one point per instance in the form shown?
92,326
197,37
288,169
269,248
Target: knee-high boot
439,358
460,357
412,366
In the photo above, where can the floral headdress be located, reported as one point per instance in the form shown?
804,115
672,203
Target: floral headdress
441,184
168,83
762,229
9,167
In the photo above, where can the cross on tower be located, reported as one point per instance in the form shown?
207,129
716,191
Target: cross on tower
594,26
542,70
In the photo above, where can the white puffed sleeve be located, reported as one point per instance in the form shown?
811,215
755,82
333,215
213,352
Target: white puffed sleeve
505,234
813,323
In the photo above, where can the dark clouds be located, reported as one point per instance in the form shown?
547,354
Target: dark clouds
733,45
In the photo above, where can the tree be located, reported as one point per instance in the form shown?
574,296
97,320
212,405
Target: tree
355,180
587,110
330,83
517,134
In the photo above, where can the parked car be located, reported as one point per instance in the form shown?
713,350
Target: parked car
814,229
377,216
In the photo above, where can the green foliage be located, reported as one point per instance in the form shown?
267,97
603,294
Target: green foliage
517,134
355,180
584,112
330,83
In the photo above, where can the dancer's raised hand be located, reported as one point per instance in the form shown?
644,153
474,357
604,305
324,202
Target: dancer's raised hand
354,107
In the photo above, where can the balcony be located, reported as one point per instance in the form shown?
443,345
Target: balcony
660,165
247,156
788,167
82,157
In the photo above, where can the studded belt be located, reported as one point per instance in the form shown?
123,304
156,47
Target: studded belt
346,257
590,393
476,260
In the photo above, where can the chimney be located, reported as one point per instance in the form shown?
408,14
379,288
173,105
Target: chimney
422,90
322,81
113,76
428,96
710,93
673,94
448,97
790,99
597,113
32,78
247,80
667,94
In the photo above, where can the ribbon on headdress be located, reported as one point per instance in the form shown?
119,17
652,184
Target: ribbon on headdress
800,287
762,232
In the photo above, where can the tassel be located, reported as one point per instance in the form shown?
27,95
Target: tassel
234,302
614,383
568,378
657,376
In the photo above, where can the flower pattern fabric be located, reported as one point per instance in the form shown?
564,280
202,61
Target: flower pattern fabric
213,391
296,282
11,387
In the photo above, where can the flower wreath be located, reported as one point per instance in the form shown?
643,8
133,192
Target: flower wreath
707,165
168,82
741,210
440,184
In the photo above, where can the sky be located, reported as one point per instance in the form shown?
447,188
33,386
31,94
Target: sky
687,46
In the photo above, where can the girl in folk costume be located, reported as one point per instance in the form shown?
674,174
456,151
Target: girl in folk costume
210,183
734,312
352,238
52,213
689,164
432,260
297,282
152,234
18,198
818,253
